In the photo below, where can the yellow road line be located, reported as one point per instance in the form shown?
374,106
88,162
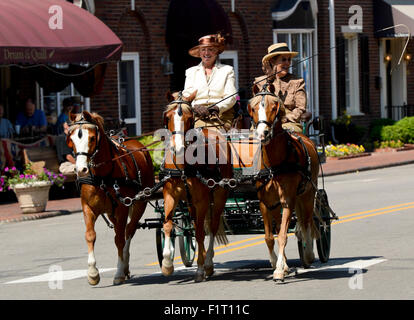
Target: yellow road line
355,216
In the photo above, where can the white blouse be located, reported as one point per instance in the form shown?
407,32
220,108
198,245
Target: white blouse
221,84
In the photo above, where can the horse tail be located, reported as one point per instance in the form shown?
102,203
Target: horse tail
220,236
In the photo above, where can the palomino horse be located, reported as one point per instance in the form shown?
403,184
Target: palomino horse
196,184
106,170
288,178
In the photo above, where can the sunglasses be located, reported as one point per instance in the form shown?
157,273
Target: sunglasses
286,59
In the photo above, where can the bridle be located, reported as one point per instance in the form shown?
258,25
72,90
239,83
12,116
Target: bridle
180,101
270,134
90,155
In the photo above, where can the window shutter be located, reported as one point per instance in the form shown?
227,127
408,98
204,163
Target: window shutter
340,74
364,67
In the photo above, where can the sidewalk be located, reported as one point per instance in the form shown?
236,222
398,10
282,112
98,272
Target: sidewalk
12,213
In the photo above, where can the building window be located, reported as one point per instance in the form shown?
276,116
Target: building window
51,103
300,40
230,57
129,92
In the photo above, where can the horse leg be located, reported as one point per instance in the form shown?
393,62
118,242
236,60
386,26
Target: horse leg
216,229
304,213
170,203
201,210
281,265
269,237
121,244
90,236
135,213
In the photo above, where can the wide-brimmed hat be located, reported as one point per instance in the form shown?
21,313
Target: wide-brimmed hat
276,49
212,40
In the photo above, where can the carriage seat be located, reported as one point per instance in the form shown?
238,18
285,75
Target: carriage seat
44,157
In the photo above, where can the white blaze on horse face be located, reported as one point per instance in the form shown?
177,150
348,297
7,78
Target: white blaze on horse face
82,145
178,137
261,127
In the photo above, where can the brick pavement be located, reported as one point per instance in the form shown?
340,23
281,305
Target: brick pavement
11,212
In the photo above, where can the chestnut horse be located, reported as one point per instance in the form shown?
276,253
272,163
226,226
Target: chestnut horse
288,178
195,184
106,171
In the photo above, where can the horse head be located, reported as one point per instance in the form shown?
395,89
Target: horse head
266,109
84,138
178,119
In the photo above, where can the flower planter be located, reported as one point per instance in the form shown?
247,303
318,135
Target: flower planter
351,156
389,149
32,197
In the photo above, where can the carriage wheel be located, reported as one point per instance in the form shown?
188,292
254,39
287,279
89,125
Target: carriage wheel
187,241
160,238
323,244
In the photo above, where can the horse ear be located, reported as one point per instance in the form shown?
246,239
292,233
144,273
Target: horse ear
170,96
272,88
255,89
191,97
250,110
87,116
72,116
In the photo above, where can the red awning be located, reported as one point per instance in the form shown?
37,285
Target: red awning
27,34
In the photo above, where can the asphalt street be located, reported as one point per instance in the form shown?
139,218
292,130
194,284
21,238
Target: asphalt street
371,254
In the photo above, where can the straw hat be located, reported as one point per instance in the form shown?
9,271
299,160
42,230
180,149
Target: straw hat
212,40
276,49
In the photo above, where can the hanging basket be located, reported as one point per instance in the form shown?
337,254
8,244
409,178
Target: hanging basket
32,197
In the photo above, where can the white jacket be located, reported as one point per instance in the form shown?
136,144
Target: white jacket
222,83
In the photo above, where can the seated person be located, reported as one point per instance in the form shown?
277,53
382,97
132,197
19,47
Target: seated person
290,88
6,128
64,153
64,116
31,120
213,82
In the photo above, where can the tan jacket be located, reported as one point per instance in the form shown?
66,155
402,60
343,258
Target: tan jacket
291,89
221,84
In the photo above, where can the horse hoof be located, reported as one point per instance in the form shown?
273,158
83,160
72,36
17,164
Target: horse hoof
279,276
199,277
94,280
118,281
209,271
127,275
166,271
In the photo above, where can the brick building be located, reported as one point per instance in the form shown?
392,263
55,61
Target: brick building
349,64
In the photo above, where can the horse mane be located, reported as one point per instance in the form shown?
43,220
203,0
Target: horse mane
170,106
96,120
269,99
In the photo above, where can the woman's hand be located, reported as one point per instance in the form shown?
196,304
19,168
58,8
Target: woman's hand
201,110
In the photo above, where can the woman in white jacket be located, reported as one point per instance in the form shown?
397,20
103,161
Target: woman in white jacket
213,82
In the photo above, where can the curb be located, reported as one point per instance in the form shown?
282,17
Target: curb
388,165
37,216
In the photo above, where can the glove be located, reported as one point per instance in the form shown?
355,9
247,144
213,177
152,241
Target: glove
201,110
214,109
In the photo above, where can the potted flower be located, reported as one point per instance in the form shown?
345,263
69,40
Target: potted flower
31,188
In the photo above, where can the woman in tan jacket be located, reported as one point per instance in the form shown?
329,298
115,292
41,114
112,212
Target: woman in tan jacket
213,82
290,88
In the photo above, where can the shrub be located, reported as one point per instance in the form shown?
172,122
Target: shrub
402,130
157,157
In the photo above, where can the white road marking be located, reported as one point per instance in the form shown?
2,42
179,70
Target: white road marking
340,265
60,275
335,265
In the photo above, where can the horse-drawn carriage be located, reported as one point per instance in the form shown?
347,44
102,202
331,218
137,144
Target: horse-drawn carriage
273,190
